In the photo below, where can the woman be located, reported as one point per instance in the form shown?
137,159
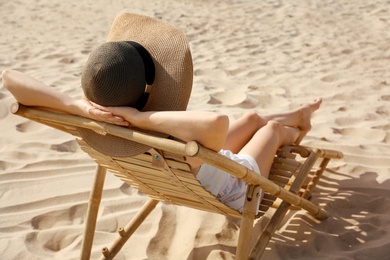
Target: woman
252,139
142,77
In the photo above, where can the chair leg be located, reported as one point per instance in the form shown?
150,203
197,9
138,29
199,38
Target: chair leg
248,217
125,233
93,208
280,213
268,231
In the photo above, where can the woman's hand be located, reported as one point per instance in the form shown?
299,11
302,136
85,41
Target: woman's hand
100,113
128,114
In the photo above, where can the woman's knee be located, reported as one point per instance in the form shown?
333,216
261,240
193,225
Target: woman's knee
252,118
276,127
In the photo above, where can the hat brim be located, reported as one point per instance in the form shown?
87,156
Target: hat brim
172,84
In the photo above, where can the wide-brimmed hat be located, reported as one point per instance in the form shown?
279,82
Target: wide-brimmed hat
138,45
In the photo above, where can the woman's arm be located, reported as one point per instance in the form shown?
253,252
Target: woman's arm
208,128
31,92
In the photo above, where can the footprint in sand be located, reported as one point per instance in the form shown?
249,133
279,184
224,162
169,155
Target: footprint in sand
347,121
383,111
50,241
69,146
64,217
67,60
28,126
228,98
385,97
330,78
274,3
4,110
364,133
62,58
51,230
387,138
233,99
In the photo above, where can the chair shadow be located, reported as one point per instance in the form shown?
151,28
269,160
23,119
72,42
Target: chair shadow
205,252
357,207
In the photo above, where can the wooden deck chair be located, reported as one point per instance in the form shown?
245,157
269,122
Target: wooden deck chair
163,174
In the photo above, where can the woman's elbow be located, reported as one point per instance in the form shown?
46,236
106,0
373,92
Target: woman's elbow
5,77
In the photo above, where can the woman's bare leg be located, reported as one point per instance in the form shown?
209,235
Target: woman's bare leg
242,129
264,143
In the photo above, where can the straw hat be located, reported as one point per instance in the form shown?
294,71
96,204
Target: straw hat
139,51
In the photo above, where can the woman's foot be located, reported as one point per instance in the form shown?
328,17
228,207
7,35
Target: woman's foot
305,112
299,117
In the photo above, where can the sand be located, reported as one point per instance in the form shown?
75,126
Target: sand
267,56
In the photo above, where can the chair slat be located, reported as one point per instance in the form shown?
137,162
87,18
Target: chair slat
278,172
278,179
148,168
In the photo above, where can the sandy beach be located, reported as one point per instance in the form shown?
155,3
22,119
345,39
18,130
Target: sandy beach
268,56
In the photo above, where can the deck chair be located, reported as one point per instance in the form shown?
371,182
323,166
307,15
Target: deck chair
164,175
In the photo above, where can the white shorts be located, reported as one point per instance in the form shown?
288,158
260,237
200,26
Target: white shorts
227,188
